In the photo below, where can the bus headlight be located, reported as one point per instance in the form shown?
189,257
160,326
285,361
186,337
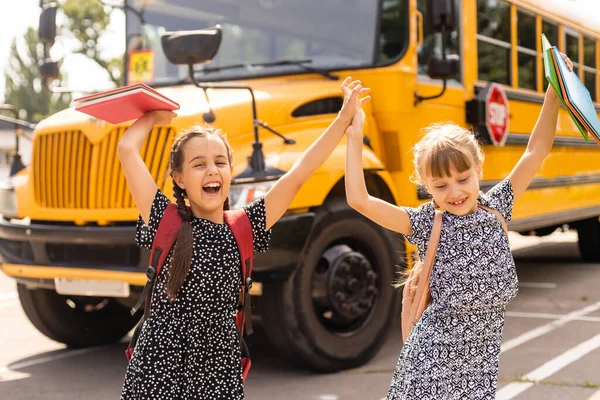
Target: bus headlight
8,199
243,194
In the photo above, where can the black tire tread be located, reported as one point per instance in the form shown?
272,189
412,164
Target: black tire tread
49,313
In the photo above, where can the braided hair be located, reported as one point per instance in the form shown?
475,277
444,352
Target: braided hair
182,251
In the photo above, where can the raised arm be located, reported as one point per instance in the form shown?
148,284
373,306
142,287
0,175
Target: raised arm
381,212
281,195
540,142
140,181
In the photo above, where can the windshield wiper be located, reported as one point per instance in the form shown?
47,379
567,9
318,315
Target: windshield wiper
300,63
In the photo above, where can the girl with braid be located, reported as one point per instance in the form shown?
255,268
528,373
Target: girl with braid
188,347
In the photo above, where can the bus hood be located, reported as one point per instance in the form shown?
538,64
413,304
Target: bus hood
277,100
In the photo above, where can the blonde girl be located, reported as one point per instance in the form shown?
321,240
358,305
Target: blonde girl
453,351
188,347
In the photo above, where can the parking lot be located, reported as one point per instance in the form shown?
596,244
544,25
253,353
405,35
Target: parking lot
551,345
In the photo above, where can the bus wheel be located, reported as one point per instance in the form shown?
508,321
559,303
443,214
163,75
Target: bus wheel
337,308
588,232
73,320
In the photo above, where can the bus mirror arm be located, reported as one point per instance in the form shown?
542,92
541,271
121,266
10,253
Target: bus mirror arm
256,163
444,68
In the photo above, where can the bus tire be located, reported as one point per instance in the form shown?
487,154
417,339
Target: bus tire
588,232
337,308
73,320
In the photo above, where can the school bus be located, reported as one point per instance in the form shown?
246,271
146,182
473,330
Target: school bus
268,73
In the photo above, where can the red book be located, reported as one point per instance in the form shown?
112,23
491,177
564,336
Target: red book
124,103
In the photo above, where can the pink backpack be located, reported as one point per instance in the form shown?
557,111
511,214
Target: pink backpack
166,234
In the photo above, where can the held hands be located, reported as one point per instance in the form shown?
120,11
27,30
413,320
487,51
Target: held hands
355,130
353,91
353,104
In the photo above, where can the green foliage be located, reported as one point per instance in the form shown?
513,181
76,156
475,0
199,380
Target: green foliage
23,86
86,21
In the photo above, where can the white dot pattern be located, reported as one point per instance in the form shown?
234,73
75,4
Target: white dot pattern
189,349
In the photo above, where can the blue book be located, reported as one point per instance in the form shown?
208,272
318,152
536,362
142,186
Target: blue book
578,96
551,75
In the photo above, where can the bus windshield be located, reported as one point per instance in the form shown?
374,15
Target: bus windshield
327,35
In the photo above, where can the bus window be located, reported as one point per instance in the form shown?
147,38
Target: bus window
288,47
526,50
493,41
572,42
432,42
393,35
550,29
257,31
589,66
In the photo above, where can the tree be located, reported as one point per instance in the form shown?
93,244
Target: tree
24,88
86,21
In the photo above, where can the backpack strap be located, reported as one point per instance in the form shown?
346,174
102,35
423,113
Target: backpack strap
422,293
497,214
166,234
240,226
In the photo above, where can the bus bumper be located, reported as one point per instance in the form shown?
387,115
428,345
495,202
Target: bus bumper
38,253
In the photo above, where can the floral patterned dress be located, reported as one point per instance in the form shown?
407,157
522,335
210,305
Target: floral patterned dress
189,349
453,351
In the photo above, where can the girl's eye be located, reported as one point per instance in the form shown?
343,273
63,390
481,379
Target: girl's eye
198,165
221,163
440,187
464,179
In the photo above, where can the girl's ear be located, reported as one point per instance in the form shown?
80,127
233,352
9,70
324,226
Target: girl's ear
178,179
426,184
480,171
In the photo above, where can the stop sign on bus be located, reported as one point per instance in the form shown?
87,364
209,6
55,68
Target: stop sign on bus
497,115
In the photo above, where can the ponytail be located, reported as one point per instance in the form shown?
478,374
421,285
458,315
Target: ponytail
182,251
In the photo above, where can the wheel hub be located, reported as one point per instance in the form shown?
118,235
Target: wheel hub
351,283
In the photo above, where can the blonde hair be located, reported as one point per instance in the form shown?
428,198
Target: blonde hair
442,145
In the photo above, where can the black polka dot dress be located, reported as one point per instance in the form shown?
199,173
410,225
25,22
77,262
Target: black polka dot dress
453,352
189,349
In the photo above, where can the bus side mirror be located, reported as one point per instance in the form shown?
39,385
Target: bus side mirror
441,15
49,70
47,26
438,68
191,47
441,18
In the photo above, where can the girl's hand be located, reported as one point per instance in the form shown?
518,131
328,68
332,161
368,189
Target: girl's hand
352,90
160,117
355,130
568,61
550,92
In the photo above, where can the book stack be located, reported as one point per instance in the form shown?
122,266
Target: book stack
124,104
571,91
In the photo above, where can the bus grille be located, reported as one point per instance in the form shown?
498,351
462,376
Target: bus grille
71,172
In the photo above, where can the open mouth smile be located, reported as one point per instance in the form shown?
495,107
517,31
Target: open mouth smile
212,188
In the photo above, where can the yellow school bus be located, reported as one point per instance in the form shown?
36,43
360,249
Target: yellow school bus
269,73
